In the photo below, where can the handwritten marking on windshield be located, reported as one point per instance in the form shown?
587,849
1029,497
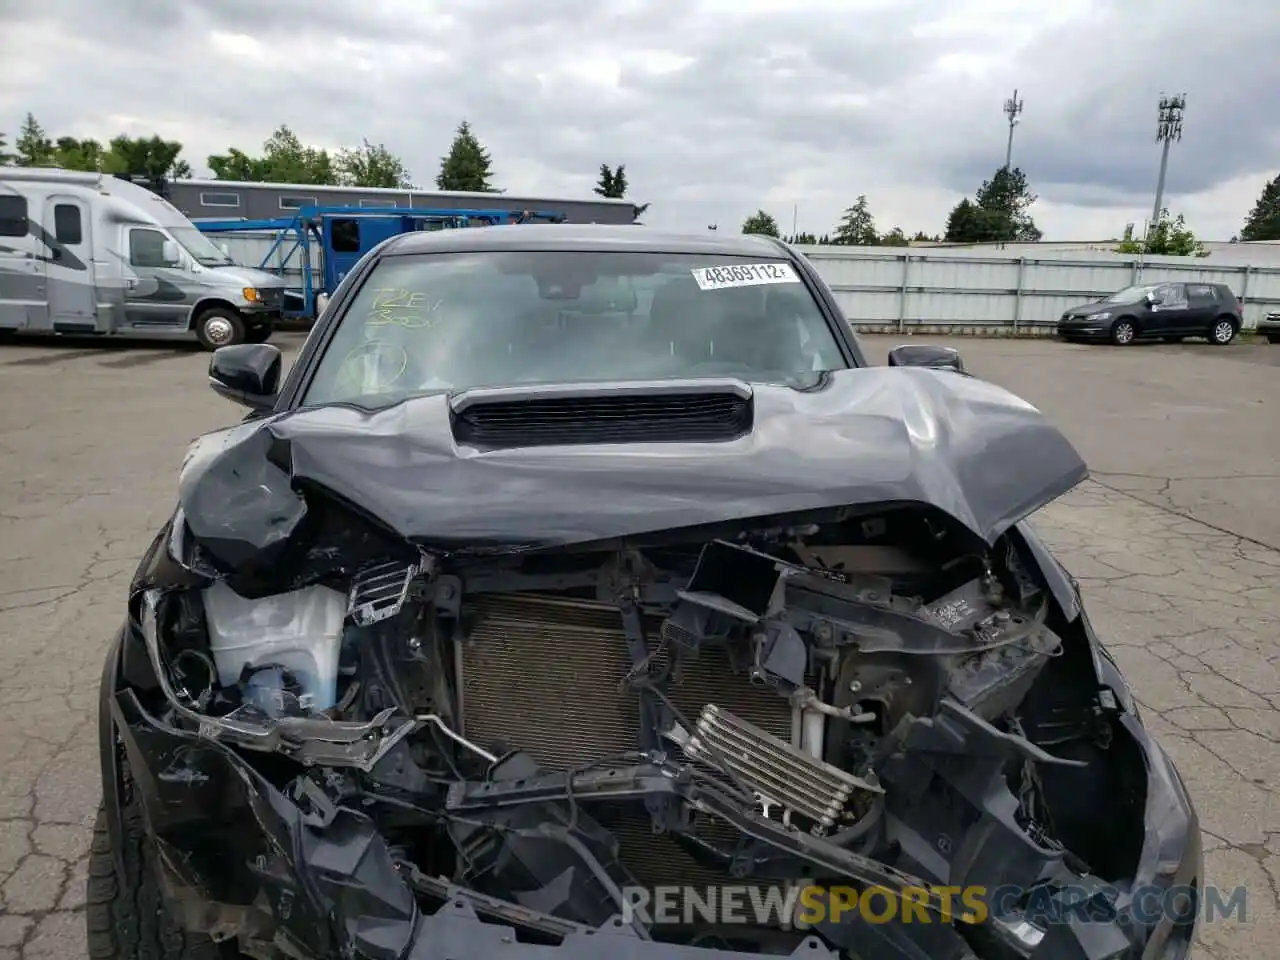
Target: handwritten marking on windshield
405,308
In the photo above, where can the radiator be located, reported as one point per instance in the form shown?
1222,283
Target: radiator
543,675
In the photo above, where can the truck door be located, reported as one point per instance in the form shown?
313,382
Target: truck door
156,288
347,239
22,271
69,272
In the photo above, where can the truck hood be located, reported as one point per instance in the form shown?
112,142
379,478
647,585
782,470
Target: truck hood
246,277
872,435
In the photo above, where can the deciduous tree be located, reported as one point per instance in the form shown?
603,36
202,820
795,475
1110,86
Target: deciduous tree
1168,237
761,222
371,165
285,159
153,157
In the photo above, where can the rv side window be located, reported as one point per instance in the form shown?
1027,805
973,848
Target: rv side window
296,203
66,224
346,236
146,248
13,216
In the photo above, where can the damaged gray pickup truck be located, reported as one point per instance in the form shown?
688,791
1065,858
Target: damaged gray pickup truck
584,593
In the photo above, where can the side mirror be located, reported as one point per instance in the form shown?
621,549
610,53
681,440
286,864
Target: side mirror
247,374
169,253
926,355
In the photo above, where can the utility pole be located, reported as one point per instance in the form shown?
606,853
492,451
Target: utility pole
1168,129
1012,108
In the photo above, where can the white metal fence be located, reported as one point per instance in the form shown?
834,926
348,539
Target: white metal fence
901,288
897,288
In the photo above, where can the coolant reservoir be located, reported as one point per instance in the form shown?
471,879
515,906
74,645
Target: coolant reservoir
300,631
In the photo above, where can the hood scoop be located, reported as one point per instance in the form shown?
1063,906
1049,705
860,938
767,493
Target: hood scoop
670,411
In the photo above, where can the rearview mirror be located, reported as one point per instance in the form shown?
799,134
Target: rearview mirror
926,355
1153,298
247,374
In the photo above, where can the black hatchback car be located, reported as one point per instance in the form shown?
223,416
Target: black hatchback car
1166,311
579,577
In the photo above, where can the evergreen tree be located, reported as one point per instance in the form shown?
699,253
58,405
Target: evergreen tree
1263,222
6,158
998,213
34,148
857,227
467,165
613,182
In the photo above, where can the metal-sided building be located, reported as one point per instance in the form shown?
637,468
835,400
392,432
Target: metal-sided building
231,200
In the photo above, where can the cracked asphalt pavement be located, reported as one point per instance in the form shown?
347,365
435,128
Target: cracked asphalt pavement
1176,542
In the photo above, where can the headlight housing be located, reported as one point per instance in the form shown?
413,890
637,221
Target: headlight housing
1104,315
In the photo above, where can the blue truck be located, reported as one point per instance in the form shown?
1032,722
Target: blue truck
335,238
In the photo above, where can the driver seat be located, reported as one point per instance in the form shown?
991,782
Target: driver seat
678,319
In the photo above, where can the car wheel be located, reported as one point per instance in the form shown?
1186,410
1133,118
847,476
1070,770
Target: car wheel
126,917
258,334
219,327
1123,332
1223,332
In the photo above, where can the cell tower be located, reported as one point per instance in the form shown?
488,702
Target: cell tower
1012,109
1168,129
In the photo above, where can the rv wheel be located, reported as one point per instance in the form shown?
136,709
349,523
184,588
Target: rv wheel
219,327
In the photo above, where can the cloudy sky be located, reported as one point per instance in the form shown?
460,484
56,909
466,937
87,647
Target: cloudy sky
716,107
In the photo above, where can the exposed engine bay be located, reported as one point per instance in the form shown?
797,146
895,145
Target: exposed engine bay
860,698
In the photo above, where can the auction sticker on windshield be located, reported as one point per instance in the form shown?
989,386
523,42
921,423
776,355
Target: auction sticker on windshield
744,275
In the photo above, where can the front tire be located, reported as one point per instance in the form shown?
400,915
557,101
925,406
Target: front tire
219,327
1222,332
126,917
1124,331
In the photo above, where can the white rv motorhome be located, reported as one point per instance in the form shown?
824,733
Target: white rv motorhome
89,253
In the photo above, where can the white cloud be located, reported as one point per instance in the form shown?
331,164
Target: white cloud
717,107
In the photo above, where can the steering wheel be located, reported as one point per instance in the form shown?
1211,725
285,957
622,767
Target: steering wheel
379,361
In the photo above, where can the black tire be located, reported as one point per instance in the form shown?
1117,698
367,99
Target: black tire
258,334
1124,331
219,327
126,917
1223,331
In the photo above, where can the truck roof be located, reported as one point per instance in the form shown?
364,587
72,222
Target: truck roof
585,237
